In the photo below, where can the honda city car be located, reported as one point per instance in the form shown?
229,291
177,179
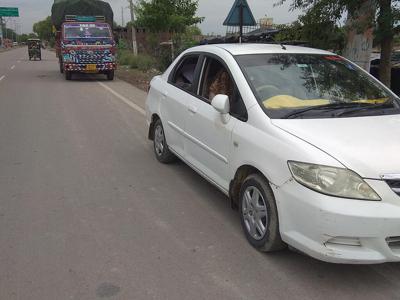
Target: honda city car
305,143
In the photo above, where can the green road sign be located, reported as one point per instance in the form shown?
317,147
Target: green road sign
9,12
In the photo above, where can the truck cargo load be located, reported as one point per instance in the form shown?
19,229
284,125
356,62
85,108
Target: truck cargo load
61,8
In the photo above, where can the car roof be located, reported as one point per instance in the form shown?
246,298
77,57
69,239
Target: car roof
242,49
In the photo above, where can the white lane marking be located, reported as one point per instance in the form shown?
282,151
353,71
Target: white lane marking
123,99
12,67
2,77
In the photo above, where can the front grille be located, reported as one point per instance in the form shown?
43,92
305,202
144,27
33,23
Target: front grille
394,185
393,242
89,57
94,56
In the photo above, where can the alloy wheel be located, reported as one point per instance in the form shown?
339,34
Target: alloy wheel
159,140
254,211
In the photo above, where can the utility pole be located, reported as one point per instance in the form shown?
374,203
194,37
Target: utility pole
122,16
240,22
134,44
1,33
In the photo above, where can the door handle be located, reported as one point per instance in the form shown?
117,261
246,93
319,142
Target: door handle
192,109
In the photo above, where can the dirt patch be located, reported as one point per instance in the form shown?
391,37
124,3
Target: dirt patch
136,77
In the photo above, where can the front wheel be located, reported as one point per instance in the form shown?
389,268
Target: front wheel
259,214
110,75
68,75
161,150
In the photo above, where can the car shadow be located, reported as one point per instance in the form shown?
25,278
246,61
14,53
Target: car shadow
370,278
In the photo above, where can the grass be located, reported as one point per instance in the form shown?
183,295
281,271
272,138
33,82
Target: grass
142,62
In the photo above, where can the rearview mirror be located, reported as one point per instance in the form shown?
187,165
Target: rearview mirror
221,103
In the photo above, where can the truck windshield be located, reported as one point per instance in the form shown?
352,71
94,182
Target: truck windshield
314,86
86,31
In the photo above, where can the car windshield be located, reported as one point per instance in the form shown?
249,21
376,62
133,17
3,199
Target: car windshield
288,85
86,31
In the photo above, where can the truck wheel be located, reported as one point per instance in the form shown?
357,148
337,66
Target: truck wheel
60,63
110,75
68,75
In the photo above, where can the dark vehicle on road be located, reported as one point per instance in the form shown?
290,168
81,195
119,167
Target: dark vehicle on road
34,49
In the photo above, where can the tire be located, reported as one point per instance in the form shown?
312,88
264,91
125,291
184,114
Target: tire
161,150
110,75
257,206
68,75
61,66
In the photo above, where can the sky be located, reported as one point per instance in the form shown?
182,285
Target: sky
214,11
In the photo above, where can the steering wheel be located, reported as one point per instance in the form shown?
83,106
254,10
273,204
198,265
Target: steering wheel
267,91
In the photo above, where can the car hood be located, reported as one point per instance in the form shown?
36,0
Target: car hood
369,146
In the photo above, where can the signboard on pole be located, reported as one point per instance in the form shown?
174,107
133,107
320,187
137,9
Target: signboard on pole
9,12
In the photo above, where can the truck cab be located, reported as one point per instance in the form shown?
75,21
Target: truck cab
86,45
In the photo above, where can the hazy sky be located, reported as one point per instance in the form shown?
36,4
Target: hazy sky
214,11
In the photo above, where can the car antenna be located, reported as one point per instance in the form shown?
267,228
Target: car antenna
273,39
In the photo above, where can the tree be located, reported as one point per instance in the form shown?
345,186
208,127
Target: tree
386,22
166,15
44,29
308,29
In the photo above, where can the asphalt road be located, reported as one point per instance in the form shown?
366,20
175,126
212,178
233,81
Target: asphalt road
86,211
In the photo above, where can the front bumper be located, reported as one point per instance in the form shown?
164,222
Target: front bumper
100,67
340,230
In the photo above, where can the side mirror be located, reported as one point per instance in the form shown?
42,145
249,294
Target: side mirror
221,104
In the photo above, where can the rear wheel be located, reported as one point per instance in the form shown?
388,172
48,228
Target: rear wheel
61,66
161,150
68,75
259,214
110,75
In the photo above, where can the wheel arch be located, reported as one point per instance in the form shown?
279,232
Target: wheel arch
154,118
240,175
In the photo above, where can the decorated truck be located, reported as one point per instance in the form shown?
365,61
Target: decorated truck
84,39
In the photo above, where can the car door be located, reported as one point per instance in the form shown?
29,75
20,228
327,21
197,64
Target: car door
177,92
208,142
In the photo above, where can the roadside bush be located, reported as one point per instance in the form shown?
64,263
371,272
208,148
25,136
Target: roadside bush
124,57
145,62
141,62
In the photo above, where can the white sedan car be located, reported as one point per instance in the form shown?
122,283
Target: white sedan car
305,144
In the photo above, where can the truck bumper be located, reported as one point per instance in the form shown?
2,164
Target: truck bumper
83,68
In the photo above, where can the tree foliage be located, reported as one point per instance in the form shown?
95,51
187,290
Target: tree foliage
167,15
308,29
385,21
44,29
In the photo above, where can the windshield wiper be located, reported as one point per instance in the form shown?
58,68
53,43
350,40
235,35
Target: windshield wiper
328,107
387,104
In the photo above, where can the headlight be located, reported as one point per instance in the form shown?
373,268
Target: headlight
332,181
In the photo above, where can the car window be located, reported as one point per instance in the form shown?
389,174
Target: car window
184,74
217,80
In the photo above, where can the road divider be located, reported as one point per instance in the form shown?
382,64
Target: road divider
123,99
